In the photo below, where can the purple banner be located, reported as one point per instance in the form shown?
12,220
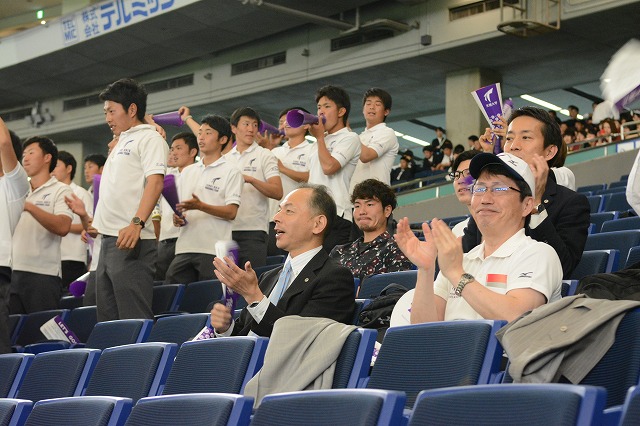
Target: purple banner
71,337
489,99
206,333
228,249
628,98
170,193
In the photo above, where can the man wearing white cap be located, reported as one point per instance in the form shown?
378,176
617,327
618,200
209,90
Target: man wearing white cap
506,275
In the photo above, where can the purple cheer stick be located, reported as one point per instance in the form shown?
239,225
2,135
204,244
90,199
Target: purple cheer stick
170,193
96,191
266,127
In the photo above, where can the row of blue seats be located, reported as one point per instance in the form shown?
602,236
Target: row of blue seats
621,183
616,201
479,405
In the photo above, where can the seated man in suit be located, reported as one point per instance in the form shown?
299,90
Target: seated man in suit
309,284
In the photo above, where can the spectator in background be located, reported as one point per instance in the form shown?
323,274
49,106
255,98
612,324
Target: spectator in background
573,116
376,252
609,131
73,249
474,143
447,156
427,164
457,150
403,173
462,182
93,164
555,117
440,138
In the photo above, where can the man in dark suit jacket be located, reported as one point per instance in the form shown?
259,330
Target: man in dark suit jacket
561,217
315,286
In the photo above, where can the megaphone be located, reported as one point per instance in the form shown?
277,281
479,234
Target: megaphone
297,118
169,118
266,127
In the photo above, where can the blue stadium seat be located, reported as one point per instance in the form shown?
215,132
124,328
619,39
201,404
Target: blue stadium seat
81,411
372,285
633,257
82,321
30,332
192,409
613,190
166,298
133,371
225,365
198,295
59,374
178,328
619,183
13,368
14,412
569,287
631,408
619,240
596,203
107,334
596,262
70,302
512,404
599,218
617,201
430,350
354,361
277,259
16,321
622,224
331,407
595,187
360,305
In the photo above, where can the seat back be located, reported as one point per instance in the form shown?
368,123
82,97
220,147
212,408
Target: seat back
599,218
81,411
620,183
119,332
621,224
510,404
631,407
372,285
178,328
59,374
82,321
354,360
595,187
595,203
276,259
14,411
633,257
198,295
192,409
166,298
133,371
613,190
226,365
596,262
16,321
70,302
616,201
334,407
619,240
13,368
30,332
421,356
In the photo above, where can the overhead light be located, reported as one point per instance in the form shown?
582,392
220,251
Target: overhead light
43,22
415,140
40,14
548,105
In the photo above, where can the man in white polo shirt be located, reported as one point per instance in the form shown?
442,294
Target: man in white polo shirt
130,186
262,181
14,187
209,193
73,249
334,158
506,275
35,281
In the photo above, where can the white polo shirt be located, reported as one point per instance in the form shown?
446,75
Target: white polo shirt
139,153
297,159
344,146
164,212
34,248
384,142
521,262
14,188
260,163
72,247
218,184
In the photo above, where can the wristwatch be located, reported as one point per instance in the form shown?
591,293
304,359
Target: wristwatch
464,280
137,221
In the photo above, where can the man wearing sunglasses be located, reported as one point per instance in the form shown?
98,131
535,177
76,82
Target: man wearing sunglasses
506,275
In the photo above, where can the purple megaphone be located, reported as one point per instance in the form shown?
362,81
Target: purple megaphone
266,127
96,191
169,118
297,118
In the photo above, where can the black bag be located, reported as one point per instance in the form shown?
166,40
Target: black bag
621,285
377,314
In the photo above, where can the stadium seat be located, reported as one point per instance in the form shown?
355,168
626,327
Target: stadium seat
613,190
82,321
119,332
70,302
599,218
134,371
58,374
619,240
451,221
595,187
178,328
360,305
198,295
16,321
30,332
619,183
372,285
354,361
225,365
192,409
262,269
431,351
512,404
331,407
14,412
595,203
633,257
13,368
596,262
166,298
621,224
616,201
277,259
631,408
81,411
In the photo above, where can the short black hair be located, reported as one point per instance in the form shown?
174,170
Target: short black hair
339,96
384,96
458,149
125,92
68,160
321,203
447,144
573,107
373,189
244,112
219,124
97,159
17,145
47,146
550,128
495,169
473,138
464,156
189,138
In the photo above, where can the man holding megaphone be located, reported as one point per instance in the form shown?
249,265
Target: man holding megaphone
334,158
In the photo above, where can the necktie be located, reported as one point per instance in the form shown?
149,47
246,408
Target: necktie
281,285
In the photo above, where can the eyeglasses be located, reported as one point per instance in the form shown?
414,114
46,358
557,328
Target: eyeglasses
459,174
480,190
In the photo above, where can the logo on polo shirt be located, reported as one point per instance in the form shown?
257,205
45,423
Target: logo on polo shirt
250,167
43,202
525,274
300,161
211,186
124,150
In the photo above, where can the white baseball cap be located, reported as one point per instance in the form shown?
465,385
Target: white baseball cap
516,167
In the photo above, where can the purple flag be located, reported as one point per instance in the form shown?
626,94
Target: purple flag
489,99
